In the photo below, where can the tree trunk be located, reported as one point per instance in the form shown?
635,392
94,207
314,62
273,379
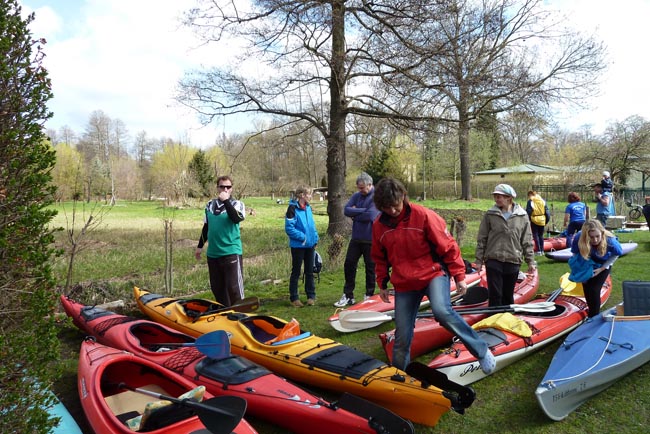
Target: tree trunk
463,147
336,140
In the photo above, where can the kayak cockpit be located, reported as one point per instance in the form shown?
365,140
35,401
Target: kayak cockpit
269,330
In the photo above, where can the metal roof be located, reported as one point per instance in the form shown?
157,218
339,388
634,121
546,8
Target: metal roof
522,168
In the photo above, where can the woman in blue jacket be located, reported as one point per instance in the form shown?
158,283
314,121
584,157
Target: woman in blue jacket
300,227
599,248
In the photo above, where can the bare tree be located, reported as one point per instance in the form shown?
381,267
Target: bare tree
521,133
76,231
317,62
625,146
493,56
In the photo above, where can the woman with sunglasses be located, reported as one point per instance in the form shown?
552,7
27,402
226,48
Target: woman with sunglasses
221,232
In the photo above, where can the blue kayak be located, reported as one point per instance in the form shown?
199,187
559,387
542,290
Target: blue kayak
565,254
67,424
593,357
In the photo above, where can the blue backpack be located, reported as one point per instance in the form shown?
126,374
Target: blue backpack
318,265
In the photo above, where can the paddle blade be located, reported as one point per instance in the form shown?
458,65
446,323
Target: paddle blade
379,418
461,397
246,305
215,345
221,414
355,320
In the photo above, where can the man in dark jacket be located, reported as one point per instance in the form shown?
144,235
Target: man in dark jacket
361,209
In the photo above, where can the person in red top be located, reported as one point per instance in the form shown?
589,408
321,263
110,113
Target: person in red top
413,250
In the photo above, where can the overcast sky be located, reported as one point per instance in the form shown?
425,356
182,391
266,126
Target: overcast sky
125,57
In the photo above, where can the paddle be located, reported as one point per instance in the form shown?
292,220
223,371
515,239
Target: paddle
354,320
215,345
464,395
220,414
245,305
197,308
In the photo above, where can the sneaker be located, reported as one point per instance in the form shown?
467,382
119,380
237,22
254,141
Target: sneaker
344,301
366,297
488,363
311,302
296,303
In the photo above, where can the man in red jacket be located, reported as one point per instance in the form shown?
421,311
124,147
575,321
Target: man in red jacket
412,249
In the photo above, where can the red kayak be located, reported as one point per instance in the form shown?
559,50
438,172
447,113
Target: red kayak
554,243
119,389
375,304
269,396
463,368
429,334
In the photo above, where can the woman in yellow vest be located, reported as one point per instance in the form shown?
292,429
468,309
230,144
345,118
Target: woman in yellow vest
538,213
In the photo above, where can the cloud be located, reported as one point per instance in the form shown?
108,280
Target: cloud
123,57
624,86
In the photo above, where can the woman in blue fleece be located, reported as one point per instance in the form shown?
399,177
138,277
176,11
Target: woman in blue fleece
300,227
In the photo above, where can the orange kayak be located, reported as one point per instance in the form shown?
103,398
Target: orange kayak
270,397
310,359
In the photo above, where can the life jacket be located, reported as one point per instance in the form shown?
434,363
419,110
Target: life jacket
539,213
507,322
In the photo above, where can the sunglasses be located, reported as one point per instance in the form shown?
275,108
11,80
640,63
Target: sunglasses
225,187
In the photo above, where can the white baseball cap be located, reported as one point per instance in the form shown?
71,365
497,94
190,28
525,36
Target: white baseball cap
505,189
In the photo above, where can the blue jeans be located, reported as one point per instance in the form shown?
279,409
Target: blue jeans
406,309
538,236
300,257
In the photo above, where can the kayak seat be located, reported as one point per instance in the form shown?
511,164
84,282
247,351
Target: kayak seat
264,328
636,298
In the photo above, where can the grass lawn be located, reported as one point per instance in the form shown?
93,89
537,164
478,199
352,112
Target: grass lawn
127,249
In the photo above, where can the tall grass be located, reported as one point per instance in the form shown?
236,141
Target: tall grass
128,249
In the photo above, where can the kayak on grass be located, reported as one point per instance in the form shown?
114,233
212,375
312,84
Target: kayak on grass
269,396
565,254
374,303
554,243
313,360
119,390
593,357
67,424
428,334
507,346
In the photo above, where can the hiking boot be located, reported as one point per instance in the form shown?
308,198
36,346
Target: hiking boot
488,363
344,301
296,303
311,302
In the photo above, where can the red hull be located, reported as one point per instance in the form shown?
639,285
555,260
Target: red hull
460,366
102,368
269,396
429,334
555,243
375,304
